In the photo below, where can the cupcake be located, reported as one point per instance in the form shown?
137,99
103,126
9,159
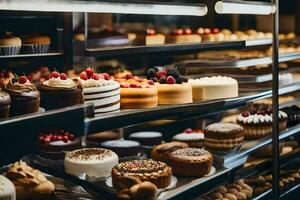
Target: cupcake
59,91
194,138
10,45
25,98
4,104
258,123
37,43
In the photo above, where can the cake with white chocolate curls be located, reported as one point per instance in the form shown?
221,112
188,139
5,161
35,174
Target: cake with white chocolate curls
155,172
99,90
258,123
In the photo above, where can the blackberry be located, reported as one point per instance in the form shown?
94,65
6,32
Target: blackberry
151,73
162,81
178,80
154,79
173,72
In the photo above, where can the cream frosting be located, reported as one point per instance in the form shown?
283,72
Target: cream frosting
213,80
96,83
188,136
57,82
258,118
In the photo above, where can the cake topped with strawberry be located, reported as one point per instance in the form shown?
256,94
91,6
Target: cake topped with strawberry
61,80
185,35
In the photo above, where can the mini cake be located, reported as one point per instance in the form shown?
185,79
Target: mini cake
150,38
190,162
123,147
293,114
194,138
99,90
59,91
53,144
147,138
10,45
30,183
222,137
171,85
215,87
25,98
94,162
155,172
258,123
96,139
7,188
38,43
4,104
183,36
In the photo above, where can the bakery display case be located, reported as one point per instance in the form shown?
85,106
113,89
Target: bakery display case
149,100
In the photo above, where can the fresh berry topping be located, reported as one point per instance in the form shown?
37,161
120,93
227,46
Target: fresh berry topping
261,112
154,79
162,80
133,85
161,73
83,76
65,138
63,76
151,82
22,79
129,76
173,72
253,111
187,31
207,31
215,30
178,32
124,85
47,140
89,71
150,31
179,80
54,74
95,76
101,76
151,73
59,137
245,114
170,80
54,138
188,130
106,76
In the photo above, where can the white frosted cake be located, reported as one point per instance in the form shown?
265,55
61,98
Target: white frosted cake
215,87
7,189
96,162
104,94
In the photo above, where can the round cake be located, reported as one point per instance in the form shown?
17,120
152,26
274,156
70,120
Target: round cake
4,104
147,138
258,123
94,162
96,139
194,138
123,147
161,151
7,188
215,87
155,172
190,162
104,94
222,137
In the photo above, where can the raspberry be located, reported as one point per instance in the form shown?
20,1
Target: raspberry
89,71
95,77
22,79
65,139
124,86
245,114
159,74
54,74
106,76
162,80
132,85
83,76
129,76
63,76
170,80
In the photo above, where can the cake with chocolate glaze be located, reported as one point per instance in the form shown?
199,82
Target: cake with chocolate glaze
123,147
155,172
194,138
100,91
96,162
4,104
222,137
190,162
183,36
25,98
59,91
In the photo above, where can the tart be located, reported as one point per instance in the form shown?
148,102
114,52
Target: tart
147,138
4,104
10,45
149,38
223,137
59,91
96,162
190,162
194,138
123,148
183,36
155,172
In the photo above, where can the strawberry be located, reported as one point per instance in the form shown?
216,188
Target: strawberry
65,139
101,76
106,76
161,73
89,71
129,76
83,76
22,79
170,80
63,76
54,74
95,76
59,137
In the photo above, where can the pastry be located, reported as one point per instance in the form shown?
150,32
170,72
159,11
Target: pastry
293,114
258,123
183,36
215,87
147,138
96,139
4,104
123,147
94,162
144,190
30,183
149,38
194,138
7,188
155,172
38,43
59,91
100,91
25,98
9,45
222,137
190,162
161,151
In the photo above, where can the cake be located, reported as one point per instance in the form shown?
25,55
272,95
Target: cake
155,172
258,123
190,162
38,43
171,86
95,162
144,190
7,189
30,183
223,137
149,38
123,147
194,138
100,91
96,139
147,138
293,114
215,87
183,36
25,98
10,45
54,144
59,91
4,104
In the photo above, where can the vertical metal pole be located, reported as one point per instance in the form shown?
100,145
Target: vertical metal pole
275,106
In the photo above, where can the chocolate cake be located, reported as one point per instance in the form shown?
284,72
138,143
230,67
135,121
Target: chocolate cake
123,148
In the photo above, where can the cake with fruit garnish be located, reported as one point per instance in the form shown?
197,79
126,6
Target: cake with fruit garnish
215,87
59,91
151,37
155,172
183,36
4,104
54,144
171,85
95,162
194,138
99,90
123,148
25,98
258,123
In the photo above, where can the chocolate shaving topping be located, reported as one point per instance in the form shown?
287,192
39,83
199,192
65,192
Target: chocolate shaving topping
89,154
141,166
190,152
